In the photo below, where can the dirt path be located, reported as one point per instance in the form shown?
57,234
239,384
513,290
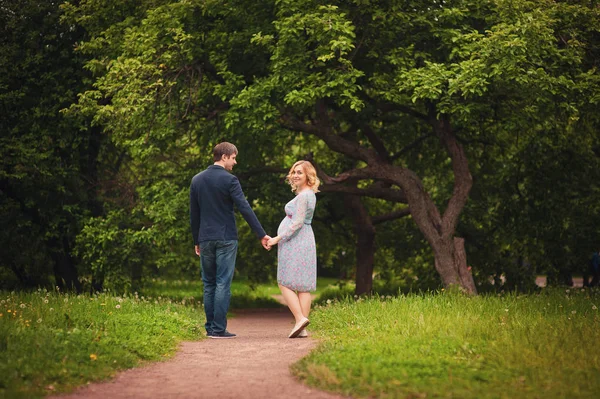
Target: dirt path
253,365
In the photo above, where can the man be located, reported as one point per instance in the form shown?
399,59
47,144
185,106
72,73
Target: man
213,194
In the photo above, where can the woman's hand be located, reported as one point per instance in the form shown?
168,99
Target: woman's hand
273,241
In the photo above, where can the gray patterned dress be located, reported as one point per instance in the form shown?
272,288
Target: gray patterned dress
296,252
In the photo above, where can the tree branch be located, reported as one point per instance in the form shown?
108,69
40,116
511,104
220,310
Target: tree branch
376,190
372,192
333,141
400,213
376,142
409,147
261,170
463,181
387,106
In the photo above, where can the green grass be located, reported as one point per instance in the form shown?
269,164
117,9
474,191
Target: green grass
51,342
244,295
449,345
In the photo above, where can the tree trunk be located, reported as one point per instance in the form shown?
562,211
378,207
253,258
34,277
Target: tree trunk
365,244
451,264
65,272
464,271
438,229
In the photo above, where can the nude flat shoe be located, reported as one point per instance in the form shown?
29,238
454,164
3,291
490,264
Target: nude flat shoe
299,327
303,334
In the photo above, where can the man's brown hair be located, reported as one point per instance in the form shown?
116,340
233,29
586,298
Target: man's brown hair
224,148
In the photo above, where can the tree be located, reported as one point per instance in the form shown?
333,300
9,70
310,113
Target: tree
48,164
399,100
375,80
161,82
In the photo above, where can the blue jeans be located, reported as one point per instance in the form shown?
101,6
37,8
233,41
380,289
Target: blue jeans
217,259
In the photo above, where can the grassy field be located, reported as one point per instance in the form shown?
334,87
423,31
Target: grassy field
243,295
447,345
51,341
434,345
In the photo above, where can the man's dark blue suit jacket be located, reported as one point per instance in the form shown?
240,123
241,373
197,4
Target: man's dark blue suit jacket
213,193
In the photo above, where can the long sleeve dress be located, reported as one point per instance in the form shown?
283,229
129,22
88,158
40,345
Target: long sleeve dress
297,252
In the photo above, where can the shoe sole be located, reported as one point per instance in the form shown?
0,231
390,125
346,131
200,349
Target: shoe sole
295,333
214,337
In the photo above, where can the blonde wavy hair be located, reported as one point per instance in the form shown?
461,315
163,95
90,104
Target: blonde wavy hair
312,180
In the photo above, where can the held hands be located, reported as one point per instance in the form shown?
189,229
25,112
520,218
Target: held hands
273,241
264,241
268,242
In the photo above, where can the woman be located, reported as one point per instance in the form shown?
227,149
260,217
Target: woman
297,254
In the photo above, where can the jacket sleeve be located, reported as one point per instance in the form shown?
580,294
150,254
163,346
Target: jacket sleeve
194,214
297,220
244,207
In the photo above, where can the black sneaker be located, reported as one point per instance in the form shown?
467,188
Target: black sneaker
221,335
209,333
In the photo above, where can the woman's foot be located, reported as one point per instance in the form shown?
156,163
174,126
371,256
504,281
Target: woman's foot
299,327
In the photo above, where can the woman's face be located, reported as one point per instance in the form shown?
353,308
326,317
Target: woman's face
298,177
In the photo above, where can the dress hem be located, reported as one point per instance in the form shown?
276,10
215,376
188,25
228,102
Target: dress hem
294,288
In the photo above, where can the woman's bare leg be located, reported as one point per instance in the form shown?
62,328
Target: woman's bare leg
305,299
292,301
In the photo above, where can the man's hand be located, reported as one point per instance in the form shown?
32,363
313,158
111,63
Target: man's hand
264,242
197,249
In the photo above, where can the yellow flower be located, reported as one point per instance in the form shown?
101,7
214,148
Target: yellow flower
93,356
